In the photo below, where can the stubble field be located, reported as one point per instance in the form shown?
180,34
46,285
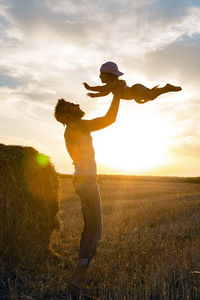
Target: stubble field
151,237
150,248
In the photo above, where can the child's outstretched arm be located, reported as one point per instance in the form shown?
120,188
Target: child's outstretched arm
103,90
98,88
101,94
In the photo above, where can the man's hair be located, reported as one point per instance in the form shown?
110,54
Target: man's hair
59,110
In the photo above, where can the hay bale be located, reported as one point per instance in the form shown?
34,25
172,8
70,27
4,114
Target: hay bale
29,204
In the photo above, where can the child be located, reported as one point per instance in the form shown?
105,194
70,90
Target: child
109,74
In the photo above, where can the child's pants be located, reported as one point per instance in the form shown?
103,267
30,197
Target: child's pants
87,189
140,92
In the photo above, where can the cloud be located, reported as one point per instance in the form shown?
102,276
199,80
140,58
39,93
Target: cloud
178,61
122,32
48,48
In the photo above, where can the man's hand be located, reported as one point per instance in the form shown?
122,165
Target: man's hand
119,86
86,85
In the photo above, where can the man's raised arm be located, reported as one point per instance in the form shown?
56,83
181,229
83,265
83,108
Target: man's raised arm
108,119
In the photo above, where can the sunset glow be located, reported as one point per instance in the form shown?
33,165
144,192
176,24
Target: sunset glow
49,48
134,145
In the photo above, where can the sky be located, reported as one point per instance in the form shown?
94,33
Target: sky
49,48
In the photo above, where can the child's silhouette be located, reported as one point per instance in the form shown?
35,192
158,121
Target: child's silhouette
109,74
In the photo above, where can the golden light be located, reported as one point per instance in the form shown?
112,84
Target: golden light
136,143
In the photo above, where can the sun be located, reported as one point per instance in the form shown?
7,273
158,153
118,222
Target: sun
134,144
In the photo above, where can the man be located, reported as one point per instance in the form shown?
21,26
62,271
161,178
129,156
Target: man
79,145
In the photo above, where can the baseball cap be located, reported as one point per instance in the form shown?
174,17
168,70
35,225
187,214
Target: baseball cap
111,67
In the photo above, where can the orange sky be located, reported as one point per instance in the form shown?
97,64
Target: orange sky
49,48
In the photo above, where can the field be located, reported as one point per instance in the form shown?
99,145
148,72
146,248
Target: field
150,248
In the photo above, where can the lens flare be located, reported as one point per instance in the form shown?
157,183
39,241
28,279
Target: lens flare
42,160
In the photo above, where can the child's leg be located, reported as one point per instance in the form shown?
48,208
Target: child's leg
154,93
141,92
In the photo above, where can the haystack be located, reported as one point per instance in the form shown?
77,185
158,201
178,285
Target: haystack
29,204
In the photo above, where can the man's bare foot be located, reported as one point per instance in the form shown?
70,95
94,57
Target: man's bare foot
173,88
80,284
79,278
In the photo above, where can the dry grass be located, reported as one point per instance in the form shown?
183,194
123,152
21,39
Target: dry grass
149,249
28,205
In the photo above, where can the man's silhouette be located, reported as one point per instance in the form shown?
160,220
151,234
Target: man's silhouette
79,145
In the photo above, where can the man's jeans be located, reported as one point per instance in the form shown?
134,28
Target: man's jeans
87,189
